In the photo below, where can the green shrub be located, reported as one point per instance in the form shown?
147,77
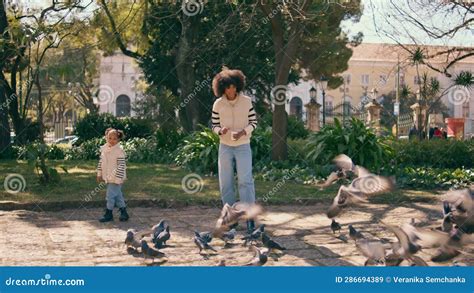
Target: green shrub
141,150
261,144
296,128
434,178
435,153
55,153
199,151
88,150
354,139
94,125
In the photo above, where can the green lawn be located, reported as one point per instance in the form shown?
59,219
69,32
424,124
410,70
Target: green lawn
154,181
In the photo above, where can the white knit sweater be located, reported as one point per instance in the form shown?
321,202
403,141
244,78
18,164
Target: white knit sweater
235,115
112,167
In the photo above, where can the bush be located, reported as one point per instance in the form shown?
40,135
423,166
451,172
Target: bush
435,153
434,178
141,150
55,153
199,151
296,128
93,125
261,144
88,150
354,139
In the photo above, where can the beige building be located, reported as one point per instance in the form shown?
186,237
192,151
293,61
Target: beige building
376,66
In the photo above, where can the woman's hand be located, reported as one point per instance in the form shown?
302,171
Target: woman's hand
223,130
240,134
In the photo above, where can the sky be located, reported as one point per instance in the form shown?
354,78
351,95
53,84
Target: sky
378,20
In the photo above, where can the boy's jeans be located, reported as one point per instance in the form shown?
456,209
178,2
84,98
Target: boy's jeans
243,159
114,196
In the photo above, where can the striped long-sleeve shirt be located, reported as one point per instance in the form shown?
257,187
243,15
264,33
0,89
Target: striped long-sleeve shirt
112,164
235,115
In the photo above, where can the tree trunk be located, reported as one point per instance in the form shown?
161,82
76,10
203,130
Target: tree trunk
42,163
186,77
4,126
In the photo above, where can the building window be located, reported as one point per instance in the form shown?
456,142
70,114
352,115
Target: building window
123,107
296,108
465,109
402,79
416,80
347,79
364,79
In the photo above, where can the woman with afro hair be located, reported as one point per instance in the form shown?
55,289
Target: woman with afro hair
234,119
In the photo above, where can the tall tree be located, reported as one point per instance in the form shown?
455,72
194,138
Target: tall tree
305,35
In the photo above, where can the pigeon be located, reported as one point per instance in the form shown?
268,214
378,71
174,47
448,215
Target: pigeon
271,244
447,224
359,191
160,239
206,236
130,240
255,235
461,203
259,259
133,238
221,263
201,243
346,169
231,215
406,246
150,252
335,226
354,234
418,261
373,250
333,177
228,236
157,229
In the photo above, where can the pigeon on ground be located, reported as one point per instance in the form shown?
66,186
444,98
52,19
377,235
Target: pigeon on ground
133,238
221,263
206,236
354,234
158,228
228,236
259,259
201,243
271,244
255,235
160,239
358,191
335,226
373,250
150,252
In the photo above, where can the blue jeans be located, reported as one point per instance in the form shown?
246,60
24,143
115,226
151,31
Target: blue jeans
242,155
114,196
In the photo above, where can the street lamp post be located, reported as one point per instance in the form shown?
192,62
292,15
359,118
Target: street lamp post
312,94
323,84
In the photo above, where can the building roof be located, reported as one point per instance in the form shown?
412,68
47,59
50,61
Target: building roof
391,53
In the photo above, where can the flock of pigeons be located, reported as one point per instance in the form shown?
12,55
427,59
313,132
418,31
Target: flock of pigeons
455,232
224,230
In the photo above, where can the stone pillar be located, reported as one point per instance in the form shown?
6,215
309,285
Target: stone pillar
373,115
312,110
419,112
